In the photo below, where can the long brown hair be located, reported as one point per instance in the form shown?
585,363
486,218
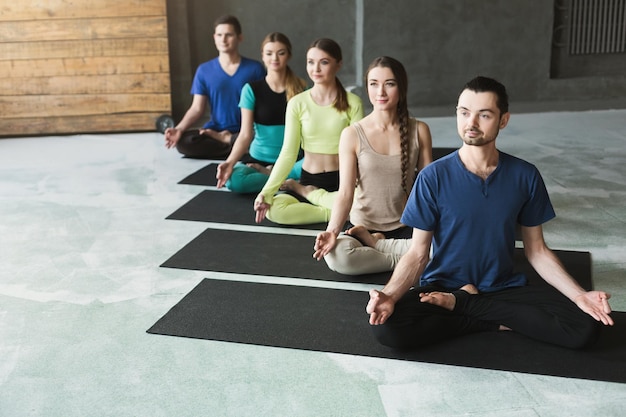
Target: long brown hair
293,83
333,49
402,80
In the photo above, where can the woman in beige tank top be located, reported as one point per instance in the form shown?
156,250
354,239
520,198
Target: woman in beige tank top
379,158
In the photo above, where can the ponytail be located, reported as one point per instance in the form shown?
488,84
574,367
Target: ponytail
341,102
294,84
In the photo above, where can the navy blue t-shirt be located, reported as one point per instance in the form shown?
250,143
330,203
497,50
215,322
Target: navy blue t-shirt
473,220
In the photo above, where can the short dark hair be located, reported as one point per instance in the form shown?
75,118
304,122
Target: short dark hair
228,20
482,84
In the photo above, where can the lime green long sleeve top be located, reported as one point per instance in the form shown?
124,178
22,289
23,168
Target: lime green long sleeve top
313,127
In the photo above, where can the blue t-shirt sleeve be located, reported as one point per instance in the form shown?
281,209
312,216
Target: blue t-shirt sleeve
421,210
538,208
199,86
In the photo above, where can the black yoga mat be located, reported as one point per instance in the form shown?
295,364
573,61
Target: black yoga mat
330,320
291,256
206,175
203,176
226,207
271,254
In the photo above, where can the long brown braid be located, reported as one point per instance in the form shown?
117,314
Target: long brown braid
402,112
403,119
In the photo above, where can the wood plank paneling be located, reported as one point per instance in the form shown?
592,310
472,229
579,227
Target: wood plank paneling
77,9
82,48
83,66
77,29
86,84
81,104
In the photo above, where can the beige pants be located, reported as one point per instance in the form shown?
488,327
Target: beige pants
350,257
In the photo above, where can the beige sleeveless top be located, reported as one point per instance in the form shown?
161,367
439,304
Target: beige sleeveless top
379,198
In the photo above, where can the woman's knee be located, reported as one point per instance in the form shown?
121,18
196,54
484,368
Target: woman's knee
286,209
243,180
276,214
339,258
279,211
235,183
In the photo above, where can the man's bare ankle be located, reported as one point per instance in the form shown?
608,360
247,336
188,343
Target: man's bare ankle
469,288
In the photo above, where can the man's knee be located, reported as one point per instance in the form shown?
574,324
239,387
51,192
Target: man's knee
393,337
587,333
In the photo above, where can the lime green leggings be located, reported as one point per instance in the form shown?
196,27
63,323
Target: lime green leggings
286,209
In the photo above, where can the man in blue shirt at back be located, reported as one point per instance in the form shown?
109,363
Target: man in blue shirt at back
217,83
467,205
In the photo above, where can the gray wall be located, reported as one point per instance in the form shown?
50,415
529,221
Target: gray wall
442,44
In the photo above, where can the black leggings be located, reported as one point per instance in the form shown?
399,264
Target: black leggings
538,312
329,181
194,145
403,232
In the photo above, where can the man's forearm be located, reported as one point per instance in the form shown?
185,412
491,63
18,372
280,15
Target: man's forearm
550,268
406,274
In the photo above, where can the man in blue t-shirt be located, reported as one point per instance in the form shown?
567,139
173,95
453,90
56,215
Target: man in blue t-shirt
467,205
217,83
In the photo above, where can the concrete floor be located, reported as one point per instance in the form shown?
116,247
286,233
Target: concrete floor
82,235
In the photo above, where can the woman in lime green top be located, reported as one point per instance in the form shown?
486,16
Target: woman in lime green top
314,121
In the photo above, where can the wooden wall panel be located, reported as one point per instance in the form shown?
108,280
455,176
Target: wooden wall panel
83,66
67,29
79,9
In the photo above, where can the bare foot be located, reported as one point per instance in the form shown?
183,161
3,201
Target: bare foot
223,136
364,236
296,187
446,300
262,169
